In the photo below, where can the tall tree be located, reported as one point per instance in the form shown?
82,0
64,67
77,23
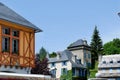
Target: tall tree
96,45
42,53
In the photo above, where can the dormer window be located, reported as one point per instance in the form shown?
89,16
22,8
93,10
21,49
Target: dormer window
118,61
111,62
104,62
64,63
53,64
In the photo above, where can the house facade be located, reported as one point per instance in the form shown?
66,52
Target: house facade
74,58
17,39
81,49
64,62
109,67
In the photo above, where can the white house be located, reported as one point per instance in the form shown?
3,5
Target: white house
65,61
75,58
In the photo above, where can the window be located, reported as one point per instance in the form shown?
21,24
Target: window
118,70
15,46
78,61
64,63
88,64
5,44
53,72
85,55
10,40
53,64
6,31
118,61
110,70
89,56
103,70
15,33
111,61
64,71
73,71
104,62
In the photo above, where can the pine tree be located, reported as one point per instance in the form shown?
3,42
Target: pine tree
96,45
42,53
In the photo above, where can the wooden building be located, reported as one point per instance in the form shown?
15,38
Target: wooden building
17,39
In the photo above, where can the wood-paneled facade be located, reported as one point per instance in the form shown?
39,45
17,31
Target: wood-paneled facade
26,50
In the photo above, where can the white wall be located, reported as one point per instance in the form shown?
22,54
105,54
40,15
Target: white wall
58,66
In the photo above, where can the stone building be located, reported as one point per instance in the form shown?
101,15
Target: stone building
109,67
81,49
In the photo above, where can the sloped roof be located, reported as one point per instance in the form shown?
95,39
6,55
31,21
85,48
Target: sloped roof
79,42
11,16
62,58
107,59
66,55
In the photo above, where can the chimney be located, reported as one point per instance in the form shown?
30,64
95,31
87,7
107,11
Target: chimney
74,58
100,57
85,42
58,55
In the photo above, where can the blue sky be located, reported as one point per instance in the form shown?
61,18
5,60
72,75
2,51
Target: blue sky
65,21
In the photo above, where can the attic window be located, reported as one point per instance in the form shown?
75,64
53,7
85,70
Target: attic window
64,63
104,62
53,64
118,61
111,61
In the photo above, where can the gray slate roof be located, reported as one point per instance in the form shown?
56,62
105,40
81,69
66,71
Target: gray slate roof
62,58
79,42
106,61
11,16
66,55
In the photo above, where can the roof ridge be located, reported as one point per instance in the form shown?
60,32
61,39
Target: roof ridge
1,4
10,15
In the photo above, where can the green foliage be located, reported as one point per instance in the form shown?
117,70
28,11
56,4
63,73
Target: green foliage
52,55
42,53
112,47
41,67
94,71
67,76
96,46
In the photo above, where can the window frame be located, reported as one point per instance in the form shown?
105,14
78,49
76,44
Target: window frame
64,63
11,37
64,71
52,64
